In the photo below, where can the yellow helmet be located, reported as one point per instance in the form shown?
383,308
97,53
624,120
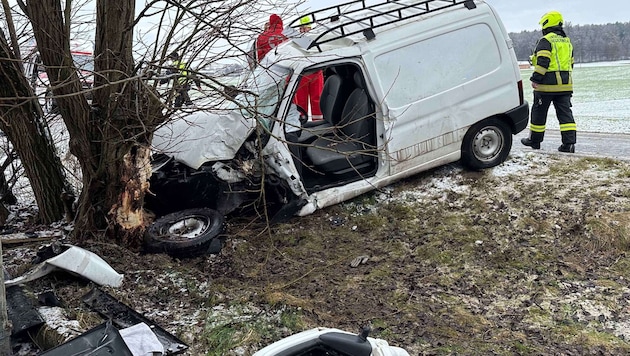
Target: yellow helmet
305,20
551,19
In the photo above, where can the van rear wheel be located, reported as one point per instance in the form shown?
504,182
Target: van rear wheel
486,144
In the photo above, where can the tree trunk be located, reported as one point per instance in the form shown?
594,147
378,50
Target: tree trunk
6,195
111,142
130,120
23,124
5,324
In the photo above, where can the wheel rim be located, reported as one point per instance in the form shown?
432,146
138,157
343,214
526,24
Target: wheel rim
488,143
188,228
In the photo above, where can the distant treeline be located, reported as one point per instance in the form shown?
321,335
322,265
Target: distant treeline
591,43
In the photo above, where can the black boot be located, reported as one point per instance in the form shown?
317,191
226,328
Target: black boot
567,147
530,143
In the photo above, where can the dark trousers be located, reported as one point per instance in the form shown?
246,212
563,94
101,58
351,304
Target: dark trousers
182,96
540,107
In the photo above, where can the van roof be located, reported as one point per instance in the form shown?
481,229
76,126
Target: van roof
354,21
334,37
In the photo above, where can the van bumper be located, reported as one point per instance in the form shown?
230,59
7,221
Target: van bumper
519,117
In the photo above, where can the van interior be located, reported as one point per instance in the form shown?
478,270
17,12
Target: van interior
341,147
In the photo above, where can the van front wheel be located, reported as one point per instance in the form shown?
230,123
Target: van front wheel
486,144
186,233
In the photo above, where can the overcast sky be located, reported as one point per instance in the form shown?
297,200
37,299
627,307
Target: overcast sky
518,15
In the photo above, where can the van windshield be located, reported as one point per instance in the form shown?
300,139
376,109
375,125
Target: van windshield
261,93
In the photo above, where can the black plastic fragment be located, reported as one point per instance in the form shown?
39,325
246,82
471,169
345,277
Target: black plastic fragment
21,309
103,340
123,317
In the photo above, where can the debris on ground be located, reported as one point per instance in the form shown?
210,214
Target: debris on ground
76,260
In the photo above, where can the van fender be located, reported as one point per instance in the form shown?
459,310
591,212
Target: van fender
518,118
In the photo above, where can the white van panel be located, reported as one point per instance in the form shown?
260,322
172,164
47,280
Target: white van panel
436,64
437,86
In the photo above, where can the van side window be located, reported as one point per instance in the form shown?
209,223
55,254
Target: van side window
436,64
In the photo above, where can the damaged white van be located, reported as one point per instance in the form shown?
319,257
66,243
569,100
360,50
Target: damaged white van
408,85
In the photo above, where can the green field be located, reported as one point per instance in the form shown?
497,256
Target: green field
601,100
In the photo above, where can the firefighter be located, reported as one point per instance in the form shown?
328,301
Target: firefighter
311,85
553,83
182,83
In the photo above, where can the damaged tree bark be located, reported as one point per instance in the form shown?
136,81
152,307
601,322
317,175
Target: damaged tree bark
111,138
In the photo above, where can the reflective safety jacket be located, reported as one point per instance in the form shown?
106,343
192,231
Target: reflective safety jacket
183,72
553,63
184,78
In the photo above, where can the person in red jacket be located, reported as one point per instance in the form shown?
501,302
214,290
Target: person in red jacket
309,91
270,38
311,85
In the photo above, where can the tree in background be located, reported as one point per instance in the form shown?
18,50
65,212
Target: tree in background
592,43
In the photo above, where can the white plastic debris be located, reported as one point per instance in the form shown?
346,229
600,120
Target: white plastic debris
359,260
76,260
309,340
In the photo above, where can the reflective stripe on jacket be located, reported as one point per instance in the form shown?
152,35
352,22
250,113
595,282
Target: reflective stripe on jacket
553,64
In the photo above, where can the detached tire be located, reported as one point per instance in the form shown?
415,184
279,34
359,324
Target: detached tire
185,233
486,144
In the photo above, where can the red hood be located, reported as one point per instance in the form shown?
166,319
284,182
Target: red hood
275,22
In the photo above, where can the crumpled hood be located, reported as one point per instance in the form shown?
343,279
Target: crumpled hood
203,137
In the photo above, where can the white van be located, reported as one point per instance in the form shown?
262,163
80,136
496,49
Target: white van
409,85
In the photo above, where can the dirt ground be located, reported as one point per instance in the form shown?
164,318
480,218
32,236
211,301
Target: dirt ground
528,258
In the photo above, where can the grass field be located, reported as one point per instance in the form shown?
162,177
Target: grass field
601,99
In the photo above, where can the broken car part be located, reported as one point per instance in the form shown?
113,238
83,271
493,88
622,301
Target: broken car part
326,341
21,309
124,317
78,261
103,340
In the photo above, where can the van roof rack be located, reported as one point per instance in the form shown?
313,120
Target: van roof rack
357,11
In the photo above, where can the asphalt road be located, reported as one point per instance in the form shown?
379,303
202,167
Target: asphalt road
592,144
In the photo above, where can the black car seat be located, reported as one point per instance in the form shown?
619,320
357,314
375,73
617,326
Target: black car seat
337,88
350,148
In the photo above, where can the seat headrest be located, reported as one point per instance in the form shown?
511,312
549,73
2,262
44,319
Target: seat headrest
345,71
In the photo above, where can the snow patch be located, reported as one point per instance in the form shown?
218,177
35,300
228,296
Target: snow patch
56,319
